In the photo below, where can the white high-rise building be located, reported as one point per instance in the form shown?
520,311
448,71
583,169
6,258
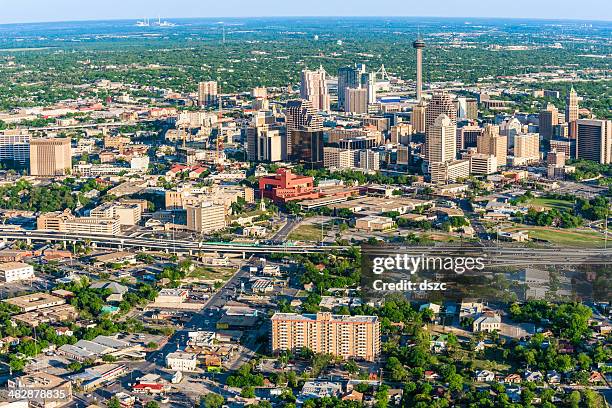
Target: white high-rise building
450,171
313,88
483,164
269,145
369,160
441,140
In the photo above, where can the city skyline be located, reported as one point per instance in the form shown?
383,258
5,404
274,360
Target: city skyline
70,10
305,212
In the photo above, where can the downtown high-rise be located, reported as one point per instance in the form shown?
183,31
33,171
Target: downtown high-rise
313,87
300,115
594,140
50,157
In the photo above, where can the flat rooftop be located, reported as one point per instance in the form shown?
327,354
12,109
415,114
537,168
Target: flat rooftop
9,266
36,300
319,317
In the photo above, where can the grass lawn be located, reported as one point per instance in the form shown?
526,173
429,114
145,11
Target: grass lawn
306,232
552,203
211,273
490,365
569,237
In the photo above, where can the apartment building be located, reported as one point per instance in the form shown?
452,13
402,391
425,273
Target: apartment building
526,149
127,213
491,142
15,272
369,160
208,93
483,164
116,142
205,217
334,157
445,172
64,221
313,87
340,335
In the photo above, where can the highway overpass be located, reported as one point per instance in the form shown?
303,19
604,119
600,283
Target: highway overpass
167,245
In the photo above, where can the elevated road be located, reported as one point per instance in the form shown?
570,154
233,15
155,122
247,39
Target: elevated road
503,255
168,245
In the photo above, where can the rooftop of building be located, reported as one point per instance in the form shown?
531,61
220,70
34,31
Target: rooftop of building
181,355
325,316
9,266
34,300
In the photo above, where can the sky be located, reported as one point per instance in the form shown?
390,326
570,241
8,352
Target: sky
24,11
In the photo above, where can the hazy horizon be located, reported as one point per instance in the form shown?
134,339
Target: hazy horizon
221,18
33,11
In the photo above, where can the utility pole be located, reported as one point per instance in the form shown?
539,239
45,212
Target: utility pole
321,232
606,226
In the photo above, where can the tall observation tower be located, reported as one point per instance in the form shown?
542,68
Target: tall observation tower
419,44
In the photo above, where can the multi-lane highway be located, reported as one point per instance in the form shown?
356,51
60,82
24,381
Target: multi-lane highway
169,245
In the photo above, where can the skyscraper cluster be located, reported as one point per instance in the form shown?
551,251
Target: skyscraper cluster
356,89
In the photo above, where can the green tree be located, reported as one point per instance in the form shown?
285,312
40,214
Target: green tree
396,370
248,392
113,403
573,399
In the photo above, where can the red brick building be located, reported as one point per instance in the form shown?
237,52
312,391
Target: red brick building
285,186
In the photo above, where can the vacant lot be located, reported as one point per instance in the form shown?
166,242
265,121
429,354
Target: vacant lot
306,232
568,237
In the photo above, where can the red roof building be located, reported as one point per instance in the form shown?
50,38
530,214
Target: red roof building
285,186
144,388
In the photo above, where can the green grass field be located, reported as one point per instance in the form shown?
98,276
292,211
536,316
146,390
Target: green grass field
306,232
211,273
552,203
568,237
